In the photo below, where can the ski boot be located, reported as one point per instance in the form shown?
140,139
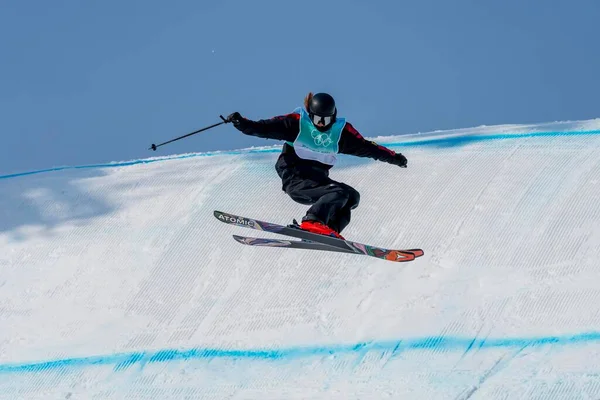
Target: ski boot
317,227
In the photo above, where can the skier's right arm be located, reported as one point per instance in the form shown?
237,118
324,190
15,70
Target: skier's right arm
284,127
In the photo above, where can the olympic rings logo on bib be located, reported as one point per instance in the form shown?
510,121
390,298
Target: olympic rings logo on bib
322,139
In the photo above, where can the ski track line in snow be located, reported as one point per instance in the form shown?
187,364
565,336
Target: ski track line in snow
436,142
123,361
500,364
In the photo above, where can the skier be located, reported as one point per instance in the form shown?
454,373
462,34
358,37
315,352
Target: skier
313,135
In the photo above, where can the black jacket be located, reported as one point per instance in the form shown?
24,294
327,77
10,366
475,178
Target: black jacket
287,127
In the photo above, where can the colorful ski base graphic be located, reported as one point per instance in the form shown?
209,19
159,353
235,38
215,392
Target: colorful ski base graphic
344,246
291,244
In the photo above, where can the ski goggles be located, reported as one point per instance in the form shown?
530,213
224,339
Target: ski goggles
324,121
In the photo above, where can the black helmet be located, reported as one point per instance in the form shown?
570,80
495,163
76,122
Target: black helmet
322,110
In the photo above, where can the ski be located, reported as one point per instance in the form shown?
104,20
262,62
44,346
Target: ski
344,245
292,244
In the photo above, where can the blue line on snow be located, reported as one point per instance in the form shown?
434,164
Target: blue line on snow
123,361
436,142
465,139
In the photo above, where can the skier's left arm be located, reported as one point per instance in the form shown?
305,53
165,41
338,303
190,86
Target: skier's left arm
353,143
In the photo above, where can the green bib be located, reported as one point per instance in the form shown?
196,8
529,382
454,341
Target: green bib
312,144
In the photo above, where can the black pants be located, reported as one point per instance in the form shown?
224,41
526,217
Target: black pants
331,202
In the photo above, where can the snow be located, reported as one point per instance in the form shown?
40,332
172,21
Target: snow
116,280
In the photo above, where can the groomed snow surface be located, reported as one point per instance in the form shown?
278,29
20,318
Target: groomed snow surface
117,282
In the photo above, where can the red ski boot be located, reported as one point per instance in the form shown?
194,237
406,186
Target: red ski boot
321,229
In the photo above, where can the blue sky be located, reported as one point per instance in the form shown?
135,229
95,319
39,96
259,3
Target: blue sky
93,82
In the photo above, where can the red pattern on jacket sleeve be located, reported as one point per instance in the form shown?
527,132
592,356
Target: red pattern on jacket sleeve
364,142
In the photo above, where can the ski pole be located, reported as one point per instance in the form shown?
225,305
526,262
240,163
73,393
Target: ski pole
155,146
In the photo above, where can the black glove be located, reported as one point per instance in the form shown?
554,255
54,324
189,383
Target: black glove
236,118
400,160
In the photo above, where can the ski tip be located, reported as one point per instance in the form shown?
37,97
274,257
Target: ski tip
404,255
399,256
416,252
